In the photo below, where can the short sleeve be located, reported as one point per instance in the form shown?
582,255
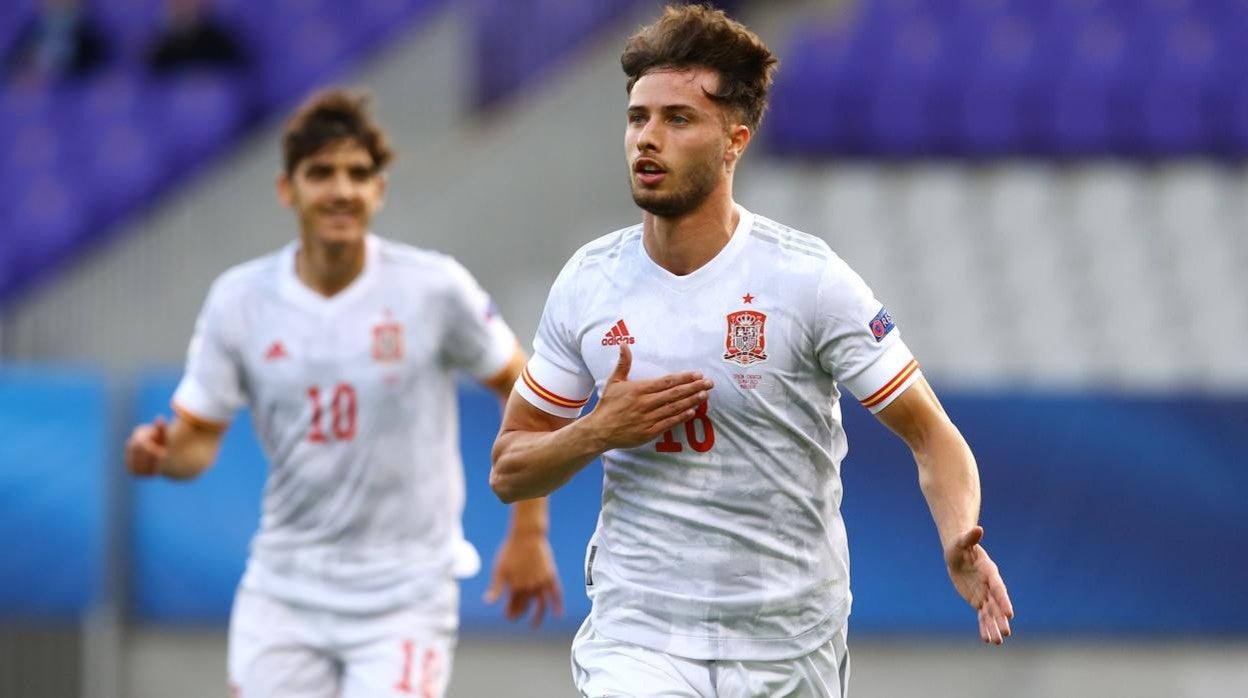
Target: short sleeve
857,340
211,390
556,380
478,339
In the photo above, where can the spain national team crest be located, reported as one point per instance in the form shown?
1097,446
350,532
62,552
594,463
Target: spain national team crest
387,341
746,342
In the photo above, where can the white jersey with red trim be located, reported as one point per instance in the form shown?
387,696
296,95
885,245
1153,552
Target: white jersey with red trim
353,399
723,538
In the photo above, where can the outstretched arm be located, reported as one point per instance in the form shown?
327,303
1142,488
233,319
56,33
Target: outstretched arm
950,482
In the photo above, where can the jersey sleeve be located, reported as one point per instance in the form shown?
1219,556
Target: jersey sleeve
556,379
858,342
212,390
479,340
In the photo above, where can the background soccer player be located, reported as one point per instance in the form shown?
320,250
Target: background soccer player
345,346
719,342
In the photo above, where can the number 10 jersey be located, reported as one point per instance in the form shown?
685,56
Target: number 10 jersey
722,539
353,399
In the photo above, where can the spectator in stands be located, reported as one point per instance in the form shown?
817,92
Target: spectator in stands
193,38
60,42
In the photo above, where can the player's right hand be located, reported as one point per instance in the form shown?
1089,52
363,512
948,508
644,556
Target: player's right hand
634,413
145,448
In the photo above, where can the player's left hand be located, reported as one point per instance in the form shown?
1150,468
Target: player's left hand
978,580
525,568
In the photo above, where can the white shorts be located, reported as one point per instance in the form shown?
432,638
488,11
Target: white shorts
279,650
605,668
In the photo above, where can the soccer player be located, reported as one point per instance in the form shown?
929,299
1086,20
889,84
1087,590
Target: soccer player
346,345
719,343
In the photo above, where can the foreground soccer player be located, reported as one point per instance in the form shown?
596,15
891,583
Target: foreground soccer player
345,346
719,342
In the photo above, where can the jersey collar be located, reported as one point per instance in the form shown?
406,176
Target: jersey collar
707,271
293,288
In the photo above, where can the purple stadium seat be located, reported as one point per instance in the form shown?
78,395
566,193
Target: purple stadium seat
26,135
369,23
14,16
296,57
516,40
908,112
1088,98
92,107
53,218
129,25
197,113
998,89
1233,123
35,147
1175,102
818,101
26,101
123,168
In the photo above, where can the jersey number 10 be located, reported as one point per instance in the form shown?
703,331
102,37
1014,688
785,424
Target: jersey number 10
342,414
669,444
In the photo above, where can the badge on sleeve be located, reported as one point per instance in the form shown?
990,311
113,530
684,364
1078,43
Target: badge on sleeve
882,325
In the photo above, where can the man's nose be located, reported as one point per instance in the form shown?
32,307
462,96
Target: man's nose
341,185
649,138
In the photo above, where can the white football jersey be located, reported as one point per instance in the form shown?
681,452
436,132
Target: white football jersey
723,538
353,399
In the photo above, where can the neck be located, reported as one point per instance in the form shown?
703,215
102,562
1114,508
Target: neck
683,244
329,268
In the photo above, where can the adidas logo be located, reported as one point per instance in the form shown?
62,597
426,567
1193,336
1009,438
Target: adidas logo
276,351
618,335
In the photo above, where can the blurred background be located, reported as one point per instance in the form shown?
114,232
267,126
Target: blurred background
1050,196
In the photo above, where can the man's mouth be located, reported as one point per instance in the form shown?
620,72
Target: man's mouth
648,171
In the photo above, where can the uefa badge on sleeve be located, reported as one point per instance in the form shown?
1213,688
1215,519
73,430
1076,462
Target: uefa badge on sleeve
746,341
881,325
388,342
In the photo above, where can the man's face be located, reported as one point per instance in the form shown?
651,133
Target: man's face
676,140
334,192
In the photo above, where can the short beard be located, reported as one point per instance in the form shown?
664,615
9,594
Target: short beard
702,181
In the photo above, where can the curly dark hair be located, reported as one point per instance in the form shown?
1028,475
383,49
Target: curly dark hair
700,36
330,116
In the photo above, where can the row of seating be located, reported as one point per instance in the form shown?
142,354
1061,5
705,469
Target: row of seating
81,154
987,78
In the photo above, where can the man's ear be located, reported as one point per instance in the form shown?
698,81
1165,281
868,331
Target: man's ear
285,192
739,137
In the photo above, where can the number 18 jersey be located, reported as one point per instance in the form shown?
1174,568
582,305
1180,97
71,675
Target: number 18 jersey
353,399
722,539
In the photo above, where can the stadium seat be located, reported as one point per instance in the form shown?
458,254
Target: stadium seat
54,217
1174,103
1088,94
998,92
819,100
200,112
